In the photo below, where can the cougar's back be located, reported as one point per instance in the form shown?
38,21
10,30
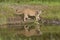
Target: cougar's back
30,12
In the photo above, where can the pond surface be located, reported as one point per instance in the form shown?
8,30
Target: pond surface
50,32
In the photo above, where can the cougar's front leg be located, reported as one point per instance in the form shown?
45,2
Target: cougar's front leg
26,28
37,17
25,17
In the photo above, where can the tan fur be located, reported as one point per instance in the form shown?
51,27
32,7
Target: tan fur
29,12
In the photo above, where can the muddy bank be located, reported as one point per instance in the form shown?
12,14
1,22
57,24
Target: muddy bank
50,21
18,21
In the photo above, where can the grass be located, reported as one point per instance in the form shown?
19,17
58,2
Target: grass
49,12
49,32
5,12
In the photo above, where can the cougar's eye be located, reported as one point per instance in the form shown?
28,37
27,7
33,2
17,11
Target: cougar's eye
16,10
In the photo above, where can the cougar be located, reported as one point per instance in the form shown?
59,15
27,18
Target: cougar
29,12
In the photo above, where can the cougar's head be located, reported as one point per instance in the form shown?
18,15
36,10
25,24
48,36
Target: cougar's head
18,11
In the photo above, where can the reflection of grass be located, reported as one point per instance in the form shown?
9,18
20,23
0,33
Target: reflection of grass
49,32
52,29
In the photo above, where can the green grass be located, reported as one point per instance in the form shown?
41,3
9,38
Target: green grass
51,12
5,12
